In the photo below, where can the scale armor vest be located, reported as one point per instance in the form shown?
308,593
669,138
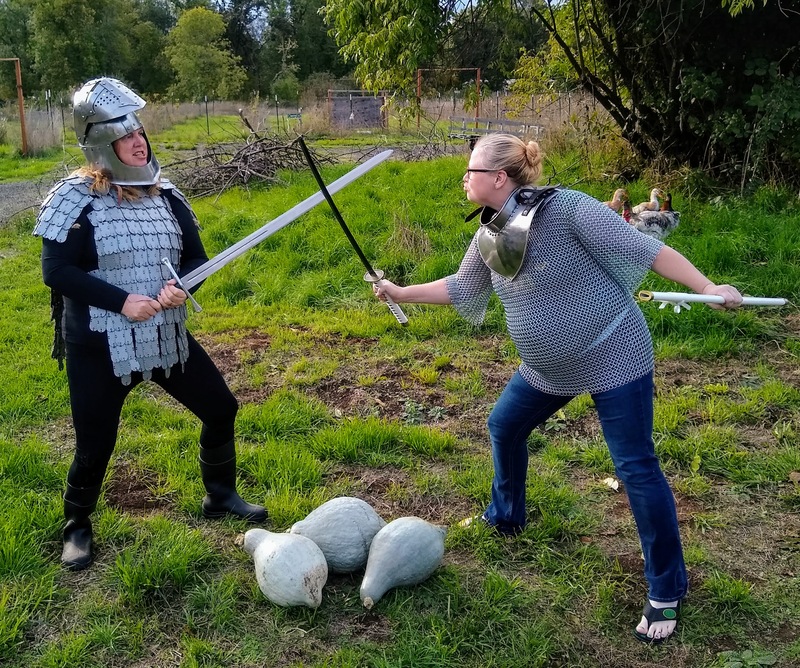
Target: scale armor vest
131,261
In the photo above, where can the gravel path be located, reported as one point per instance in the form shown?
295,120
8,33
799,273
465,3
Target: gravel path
21,196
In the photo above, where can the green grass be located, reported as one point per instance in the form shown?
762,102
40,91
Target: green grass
336,399
15,167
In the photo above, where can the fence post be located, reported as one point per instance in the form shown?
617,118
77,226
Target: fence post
21,101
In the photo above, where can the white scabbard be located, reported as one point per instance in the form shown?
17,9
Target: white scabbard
680,300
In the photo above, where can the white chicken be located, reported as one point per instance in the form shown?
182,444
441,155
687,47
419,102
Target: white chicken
650,205
656,224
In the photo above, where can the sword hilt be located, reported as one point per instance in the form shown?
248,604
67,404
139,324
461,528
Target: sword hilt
165,261
376,277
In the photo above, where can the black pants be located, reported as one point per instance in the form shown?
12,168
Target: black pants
96,396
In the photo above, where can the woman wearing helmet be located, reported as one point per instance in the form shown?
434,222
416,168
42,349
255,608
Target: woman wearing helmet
120,318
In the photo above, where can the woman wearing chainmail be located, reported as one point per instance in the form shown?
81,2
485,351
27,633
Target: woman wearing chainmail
120,319
565,268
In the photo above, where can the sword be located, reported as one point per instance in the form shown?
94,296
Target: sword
372,275
232,252
680,300
165,261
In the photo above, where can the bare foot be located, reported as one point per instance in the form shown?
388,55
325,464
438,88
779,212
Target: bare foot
663,624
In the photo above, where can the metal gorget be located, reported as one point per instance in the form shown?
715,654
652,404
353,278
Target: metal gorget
503,234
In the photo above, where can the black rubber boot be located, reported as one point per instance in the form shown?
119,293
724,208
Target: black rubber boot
79,504
218,467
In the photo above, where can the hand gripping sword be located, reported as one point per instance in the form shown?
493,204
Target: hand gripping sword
372,275
232,252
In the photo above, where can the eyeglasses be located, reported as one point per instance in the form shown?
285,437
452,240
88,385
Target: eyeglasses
470,170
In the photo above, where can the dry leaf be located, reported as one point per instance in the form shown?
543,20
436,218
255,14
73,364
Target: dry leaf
613,484
794,476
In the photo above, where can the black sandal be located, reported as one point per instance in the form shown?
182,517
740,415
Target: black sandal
653,615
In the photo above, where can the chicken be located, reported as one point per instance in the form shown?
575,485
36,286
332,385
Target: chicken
626,210
652,204
620,195
659,223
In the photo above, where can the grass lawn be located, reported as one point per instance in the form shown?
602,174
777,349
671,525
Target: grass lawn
338,400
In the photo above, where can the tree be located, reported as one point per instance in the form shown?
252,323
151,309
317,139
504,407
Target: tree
316,50
150,71
687,81
75,40
15,17
388,40
683,79
201,57
285,85
736,7
490,36
63,56
244,25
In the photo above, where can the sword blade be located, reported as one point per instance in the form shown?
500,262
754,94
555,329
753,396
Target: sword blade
232,252
371,275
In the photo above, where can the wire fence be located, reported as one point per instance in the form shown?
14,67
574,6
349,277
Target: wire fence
49,124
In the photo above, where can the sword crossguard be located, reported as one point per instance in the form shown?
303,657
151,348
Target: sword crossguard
165,261
376,277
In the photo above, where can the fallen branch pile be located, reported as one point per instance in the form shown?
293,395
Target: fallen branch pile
222,166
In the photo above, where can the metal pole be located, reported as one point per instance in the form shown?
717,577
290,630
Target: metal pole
419,95
478,90
63,126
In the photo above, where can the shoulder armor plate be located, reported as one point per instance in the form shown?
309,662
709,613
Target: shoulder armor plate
503,234
61,208
166,184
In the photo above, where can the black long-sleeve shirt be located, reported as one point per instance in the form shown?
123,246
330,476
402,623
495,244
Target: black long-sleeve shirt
66,267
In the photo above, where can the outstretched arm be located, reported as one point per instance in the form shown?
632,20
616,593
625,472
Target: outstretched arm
422,293
670,264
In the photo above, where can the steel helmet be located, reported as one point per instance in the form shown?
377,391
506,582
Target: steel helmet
104,111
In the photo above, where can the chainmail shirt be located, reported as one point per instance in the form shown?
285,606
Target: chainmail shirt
570,311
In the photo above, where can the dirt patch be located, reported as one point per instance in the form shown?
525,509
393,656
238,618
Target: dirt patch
130,489
736,372
365,383
392,493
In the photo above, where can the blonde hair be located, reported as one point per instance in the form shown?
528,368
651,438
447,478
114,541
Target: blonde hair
101,183
521,161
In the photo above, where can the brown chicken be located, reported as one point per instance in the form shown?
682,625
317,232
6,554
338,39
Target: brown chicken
620,195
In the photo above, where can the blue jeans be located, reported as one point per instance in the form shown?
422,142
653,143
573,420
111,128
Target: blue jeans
626,415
